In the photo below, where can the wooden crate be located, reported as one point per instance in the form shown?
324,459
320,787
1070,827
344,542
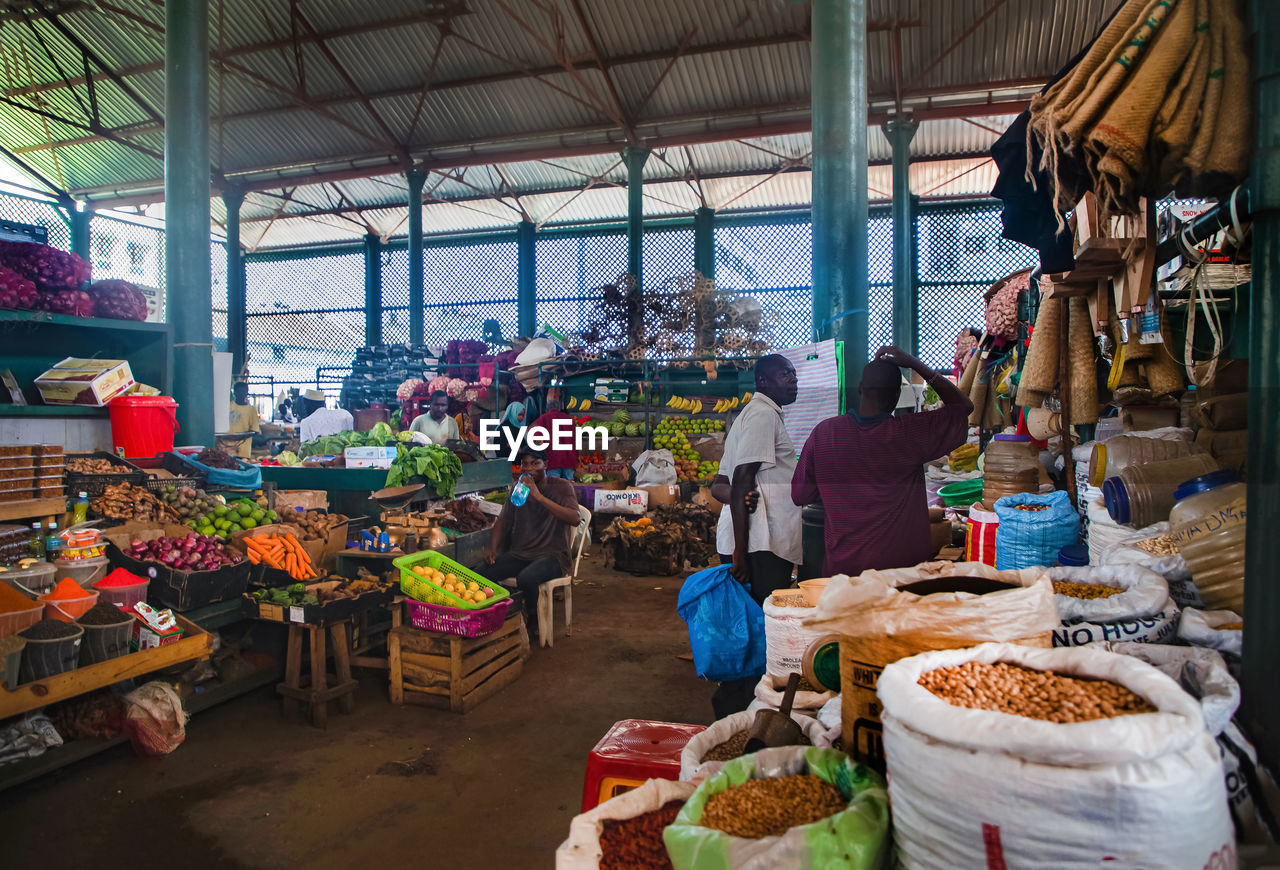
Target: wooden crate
455,673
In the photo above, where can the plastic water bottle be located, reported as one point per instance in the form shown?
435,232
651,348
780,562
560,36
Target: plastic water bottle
35,543
52,543
519,492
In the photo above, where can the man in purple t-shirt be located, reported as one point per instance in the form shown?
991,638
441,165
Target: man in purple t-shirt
867,468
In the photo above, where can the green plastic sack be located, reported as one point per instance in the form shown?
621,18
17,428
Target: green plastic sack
856,838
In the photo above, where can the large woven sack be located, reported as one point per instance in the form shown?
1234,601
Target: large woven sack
977,788
693,768
1026,538
1142,611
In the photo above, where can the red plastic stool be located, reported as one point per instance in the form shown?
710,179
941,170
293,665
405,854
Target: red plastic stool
631,752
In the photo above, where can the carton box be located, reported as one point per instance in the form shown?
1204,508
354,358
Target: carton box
621,501
369,457
85,381
660,495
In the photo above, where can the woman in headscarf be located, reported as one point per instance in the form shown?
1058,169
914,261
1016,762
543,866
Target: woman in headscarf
512,422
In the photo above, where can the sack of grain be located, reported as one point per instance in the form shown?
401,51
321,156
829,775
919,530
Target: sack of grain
1112,603
1214,629
1154,549
692,766
967,785
785,636
1033,528
771,689
582,851
882,616
1104,532
855,836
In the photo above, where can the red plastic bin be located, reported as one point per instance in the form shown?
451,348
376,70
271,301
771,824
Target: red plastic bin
143,427
632,752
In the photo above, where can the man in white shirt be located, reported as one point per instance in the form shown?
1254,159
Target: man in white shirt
318,421
436,424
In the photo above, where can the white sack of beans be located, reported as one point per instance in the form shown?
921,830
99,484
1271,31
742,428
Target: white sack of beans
1205,628
786,638
693,768
582,850
771,689
1171,566
1141,612
976,788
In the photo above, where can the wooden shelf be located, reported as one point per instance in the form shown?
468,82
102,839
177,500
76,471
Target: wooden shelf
194,644
32,507
52,411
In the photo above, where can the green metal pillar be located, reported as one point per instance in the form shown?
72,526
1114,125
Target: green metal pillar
1260,702
417,299
78,221
839,92
186,195
899,132
237,328
635,159
526,280
704,242
372,289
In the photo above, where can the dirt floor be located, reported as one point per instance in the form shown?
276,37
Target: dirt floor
495,787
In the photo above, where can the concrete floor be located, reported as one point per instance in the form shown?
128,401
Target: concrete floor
494,788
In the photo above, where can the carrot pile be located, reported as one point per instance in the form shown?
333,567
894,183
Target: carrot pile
282,552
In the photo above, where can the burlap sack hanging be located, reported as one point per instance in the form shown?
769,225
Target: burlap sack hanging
1175,122
1083,374
1219,167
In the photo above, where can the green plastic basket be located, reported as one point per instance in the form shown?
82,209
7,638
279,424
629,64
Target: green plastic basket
435,594
962,493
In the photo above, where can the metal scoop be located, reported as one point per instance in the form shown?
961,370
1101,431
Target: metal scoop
775,727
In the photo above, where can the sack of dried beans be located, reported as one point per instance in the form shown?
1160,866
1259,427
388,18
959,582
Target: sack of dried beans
1155,549
1112,603
1047,758
724,740
1033,528
626,831
785,808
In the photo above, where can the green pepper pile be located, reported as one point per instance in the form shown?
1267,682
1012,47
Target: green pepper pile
287,596
433,464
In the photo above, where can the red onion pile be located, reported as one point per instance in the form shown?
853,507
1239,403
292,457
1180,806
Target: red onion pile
51,270
118,300
17,291
76,303
192,553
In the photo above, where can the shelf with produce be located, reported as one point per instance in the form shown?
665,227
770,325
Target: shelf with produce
44,317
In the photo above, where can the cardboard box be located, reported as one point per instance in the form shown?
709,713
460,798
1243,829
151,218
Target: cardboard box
307,499
621,501
152,628
660,495
704,497
85,381
369,457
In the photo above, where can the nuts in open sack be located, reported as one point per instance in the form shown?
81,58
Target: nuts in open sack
636,843
1087,591
772,806
1019,691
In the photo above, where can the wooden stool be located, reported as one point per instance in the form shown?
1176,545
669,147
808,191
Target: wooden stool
317,693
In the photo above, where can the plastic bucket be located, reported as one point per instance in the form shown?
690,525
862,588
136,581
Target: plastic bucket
69,609
47,658
33,581
17,620
86,572
123,597
103,642
142,426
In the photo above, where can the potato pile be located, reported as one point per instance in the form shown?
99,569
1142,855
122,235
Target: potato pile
95,466
124,501
1019,691
313,525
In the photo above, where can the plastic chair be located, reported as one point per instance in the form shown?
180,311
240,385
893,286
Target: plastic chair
546,592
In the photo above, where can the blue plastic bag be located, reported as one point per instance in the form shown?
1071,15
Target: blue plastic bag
726,626
1025,539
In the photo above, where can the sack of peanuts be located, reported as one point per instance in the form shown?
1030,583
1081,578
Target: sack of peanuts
1154,548
771,689
625,831
1222,630
1004,755
786,639
882,616
1112,603
785,808
724,740
1033,528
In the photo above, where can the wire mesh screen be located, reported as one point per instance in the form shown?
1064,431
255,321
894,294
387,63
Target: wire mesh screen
960,254
880,290
25,210
303,314
395,297
131,252
772,262
218,294
465,285
570,271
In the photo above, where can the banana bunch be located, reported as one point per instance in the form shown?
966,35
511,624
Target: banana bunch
963,458
574,405
693,406
726,405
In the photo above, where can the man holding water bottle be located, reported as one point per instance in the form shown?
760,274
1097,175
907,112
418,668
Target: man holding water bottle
537,527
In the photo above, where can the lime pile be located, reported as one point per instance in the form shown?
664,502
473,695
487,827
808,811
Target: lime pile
227,519
687,425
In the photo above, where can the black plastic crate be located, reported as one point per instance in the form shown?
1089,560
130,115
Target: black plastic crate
184,474
96,484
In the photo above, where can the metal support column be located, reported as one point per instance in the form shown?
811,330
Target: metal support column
906,332
526,279
237,322
372,289
635,159
417,299
839,94
78,222
704,242
1260,703
188,272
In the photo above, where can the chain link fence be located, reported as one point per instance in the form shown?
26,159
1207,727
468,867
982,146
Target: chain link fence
37,212
570,271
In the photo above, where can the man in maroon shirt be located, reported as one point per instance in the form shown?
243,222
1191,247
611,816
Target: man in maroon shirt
560,463
867,468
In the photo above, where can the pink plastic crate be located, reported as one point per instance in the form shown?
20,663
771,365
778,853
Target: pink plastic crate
452,620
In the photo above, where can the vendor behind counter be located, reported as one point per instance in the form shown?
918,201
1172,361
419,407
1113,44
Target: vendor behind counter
319,420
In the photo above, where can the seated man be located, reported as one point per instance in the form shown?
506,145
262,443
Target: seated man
436,424
540,531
